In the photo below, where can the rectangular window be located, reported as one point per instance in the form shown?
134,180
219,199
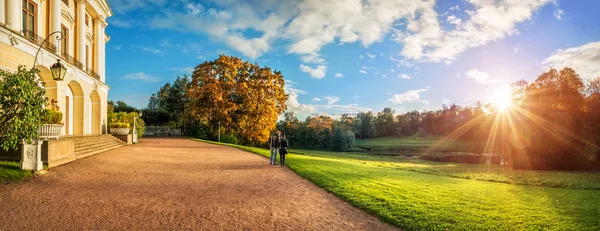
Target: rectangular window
29,16
87,57
64,43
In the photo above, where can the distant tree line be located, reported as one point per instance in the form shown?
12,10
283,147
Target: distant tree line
320,132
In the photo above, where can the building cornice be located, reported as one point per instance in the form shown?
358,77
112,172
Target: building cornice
101,6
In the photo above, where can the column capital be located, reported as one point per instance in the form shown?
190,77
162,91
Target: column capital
81,1
101,21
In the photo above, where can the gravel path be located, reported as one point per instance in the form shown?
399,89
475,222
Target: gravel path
175,184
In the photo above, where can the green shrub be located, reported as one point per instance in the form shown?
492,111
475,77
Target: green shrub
52,117
120,125
229,138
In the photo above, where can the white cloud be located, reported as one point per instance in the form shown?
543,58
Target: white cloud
317,73
140,76
392,70
361,56
312,58
447,62
117,47
183,70
292,103
338,75
404,76
331,99
384,75
119,23
455,8
150,49
453,20
316,99
411,96
370,55
363,71
585,60
479,76
306,26
445,101
349,108
558,14
489,21
516,50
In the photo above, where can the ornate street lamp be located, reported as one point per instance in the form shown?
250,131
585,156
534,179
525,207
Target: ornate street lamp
58,70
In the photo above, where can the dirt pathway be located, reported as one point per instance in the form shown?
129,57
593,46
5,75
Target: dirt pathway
175,184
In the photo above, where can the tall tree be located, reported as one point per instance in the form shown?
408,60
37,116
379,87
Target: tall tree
245,98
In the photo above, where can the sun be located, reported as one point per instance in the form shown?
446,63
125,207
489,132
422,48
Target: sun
502,99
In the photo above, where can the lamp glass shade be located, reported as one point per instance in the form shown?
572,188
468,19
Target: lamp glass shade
58,71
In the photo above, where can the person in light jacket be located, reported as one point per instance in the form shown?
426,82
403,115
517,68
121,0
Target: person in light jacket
283,145
274,145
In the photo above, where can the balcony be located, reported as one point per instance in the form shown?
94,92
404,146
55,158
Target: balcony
33,37
72,60
93,74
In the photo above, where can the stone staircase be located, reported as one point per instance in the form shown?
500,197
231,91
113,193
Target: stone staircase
93,144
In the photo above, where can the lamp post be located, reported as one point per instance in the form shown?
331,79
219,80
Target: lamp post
135,134
57,69
31,154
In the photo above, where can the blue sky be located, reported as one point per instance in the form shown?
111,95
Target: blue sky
351,56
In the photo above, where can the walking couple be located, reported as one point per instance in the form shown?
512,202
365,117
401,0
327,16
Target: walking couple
277,142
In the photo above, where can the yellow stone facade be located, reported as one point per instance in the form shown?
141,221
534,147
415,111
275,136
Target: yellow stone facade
82,96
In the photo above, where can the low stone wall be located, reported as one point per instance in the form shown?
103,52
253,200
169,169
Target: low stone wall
58,152
54,153
125,138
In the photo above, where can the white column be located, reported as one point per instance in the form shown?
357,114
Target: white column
97,44
2,12
55,22
80,24
13,7
102,55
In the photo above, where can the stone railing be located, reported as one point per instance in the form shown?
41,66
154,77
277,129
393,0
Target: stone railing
49,131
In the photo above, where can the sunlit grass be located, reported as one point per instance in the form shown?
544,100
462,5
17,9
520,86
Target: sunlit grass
399,193
10,171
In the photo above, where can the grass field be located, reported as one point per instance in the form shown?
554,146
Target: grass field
10,171
408,145
409,196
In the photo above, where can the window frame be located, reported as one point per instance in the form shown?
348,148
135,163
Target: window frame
64,44
25,11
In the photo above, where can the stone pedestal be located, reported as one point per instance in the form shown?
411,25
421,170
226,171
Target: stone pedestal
31,156
125,138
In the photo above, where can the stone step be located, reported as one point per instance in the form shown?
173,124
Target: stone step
100,141
97,147
93,144
79,156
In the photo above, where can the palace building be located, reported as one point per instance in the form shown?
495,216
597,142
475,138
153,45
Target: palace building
82,95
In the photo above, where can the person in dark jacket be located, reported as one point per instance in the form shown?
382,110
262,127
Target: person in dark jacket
283,145
274,145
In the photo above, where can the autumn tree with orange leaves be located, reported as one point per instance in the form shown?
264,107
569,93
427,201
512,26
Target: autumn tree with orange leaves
244,98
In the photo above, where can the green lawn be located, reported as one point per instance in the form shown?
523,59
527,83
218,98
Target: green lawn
412,143
10,171
404,194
